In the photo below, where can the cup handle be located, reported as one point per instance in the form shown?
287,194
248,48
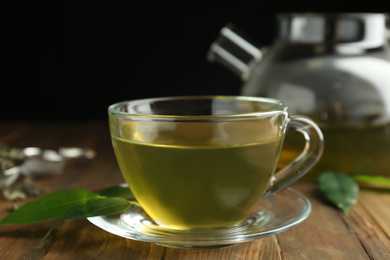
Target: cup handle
305,161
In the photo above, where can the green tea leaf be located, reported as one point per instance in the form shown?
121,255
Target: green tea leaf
51,206
373,179
116,191
97,207
340,189
48,233
92,208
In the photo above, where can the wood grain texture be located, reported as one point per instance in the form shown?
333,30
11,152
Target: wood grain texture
378,205
326,234
266,248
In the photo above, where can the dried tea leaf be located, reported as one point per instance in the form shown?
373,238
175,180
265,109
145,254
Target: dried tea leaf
14,194
341,189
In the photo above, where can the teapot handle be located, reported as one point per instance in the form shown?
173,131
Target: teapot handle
234,50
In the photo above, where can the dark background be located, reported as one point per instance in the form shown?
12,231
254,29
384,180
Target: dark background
70,62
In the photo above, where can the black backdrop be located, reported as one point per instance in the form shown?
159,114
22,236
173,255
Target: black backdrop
71,61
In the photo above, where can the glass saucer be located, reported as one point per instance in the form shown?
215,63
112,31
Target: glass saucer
272,215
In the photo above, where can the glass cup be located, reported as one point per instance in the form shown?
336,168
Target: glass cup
204,162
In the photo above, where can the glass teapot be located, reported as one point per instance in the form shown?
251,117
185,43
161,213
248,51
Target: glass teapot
334,68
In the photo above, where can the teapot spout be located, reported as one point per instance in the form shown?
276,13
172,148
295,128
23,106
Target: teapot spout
233,51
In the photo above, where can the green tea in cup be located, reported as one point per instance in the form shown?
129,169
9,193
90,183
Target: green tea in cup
205,162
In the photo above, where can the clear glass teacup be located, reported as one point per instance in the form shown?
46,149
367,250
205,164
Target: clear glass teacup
206,161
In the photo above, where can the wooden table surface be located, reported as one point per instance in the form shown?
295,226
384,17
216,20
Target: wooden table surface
325,234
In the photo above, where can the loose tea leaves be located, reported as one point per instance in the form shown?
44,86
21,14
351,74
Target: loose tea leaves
341,189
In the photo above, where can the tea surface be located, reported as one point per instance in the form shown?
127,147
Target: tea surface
185,187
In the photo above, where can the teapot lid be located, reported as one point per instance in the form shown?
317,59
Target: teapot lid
357,30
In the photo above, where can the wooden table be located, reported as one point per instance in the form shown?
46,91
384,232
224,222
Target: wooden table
325,234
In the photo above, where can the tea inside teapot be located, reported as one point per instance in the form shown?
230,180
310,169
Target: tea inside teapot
334,68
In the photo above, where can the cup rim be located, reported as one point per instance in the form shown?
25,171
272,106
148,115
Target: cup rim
280,107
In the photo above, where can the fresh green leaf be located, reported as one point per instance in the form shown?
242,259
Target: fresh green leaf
116,191
97,207
340,189
48,233
93,208
373,179
51,206
72,204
